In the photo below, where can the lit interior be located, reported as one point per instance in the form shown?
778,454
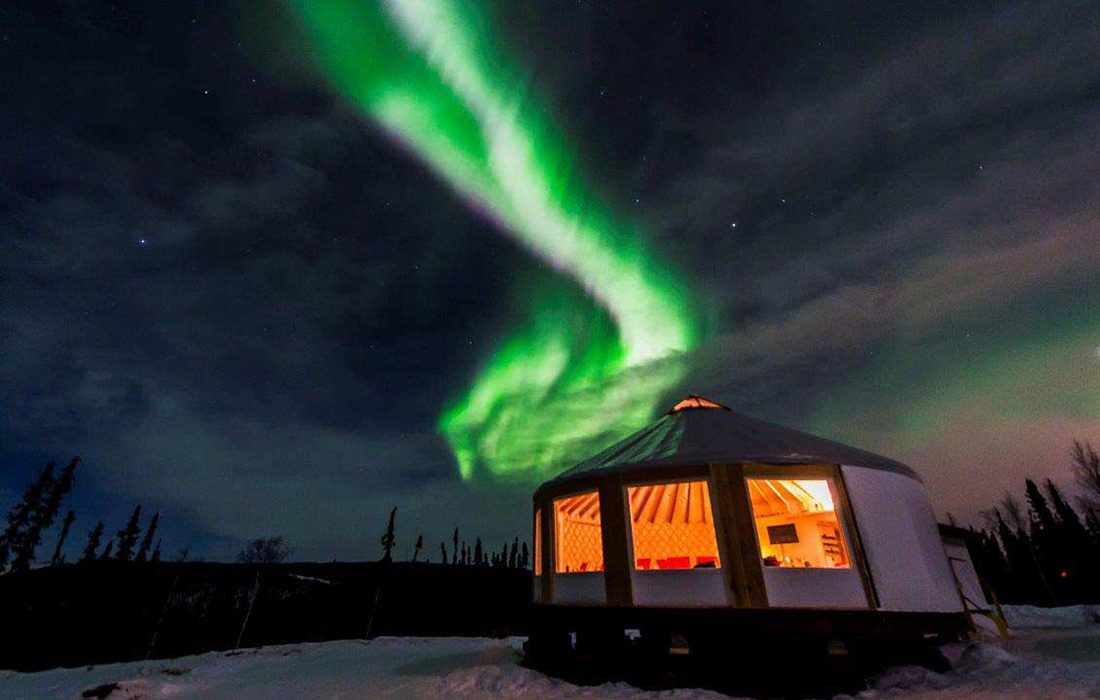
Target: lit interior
578,543
537,542
672,526
797,524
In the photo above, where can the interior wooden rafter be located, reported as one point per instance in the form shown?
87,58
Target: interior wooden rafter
784,496
687,502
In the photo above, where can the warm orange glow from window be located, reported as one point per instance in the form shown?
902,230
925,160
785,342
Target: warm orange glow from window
797,523
537,542
578,543
672,526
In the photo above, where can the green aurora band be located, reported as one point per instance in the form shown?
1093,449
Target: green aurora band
591,363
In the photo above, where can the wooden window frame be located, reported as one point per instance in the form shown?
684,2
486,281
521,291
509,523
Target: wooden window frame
685,477
842,505
551,501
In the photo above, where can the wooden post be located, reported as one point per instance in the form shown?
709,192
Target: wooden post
546,549
616,553
731,496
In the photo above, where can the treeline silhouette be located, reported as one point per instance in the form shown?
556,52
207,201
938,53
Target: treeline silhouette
119,601
1047,553
33,516
514,556
110,611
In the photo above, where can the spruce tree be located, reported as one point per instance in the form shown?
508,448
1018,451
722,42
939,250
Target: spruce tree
1092,524
21,516
388,539
1068,518
43,517
1044,534
147,540
454,548
513,556
65,525
990,562
1027,557
443,553
524,557
478,554
1086,471
1039,508
1014,580
128,536
106,554
1078,558
419,545
92,548
156,552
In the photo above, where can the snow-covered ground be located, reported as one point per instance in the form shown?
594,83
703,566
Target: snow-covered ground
1051,654
1029,616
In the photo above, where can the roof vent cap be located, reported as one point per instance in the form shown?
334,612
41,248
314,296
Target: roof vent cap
695,402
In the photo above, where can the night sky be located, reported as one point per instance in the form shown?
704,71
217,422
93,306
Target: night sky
273,268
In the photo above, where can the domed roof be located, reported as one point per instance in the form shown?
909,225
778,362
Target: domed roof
700,431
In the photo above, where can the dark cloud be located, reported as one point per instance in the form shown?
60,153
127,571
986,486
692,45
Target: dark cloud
244,304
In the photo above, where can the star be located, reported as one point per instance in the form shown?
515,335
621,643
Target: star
733,225
143,241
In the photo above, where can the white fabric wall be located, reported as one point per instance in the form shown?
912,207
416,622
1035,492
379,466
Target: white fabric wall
959,556
908,563
580,588
680,587
790,587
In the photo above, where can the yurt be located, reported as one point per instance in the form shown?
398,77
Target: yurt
708,525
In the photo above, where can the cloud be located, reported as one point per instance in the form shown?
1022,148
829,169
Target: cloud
966,147
274,358
255,337
327,489
938,289
950,183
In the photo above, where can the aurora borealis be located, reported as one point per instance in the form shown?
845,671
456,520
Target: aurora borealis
429,73
275,268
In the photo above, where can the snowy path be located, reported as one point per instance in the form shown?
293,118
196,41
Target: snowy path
1035,663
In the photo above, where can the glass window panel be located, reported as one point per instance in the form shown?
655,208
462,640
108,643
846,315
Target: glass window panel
578,542
672,526
797,525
